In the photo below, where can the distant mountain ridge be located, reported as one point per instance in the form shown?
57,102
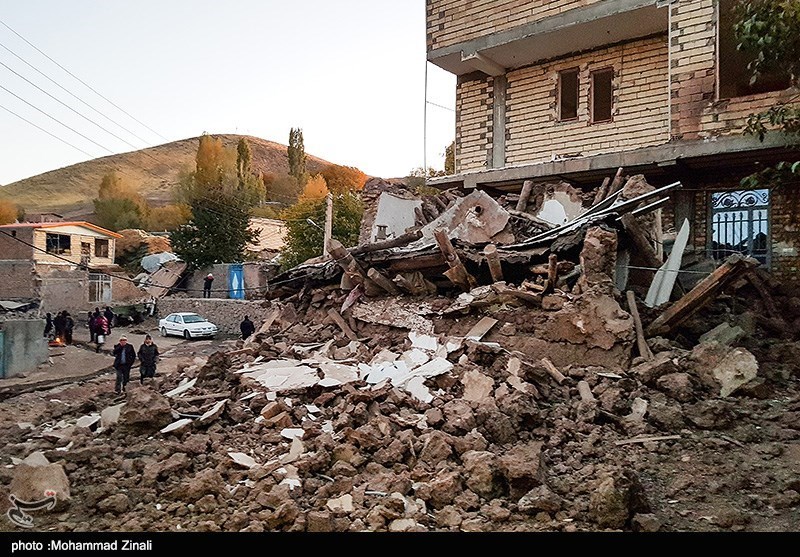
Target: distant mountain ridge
70,190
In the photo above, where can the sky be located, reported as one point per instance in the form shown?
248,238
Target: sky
350,73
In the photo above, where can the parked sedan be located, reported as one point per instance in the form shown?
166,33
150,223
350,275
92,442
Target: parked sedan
187,325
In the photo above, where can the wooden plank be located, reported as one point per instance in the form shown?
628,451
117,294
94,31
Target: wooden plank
490,252
641,342
347,262
339,320
602,192
481,328
701,294
409,286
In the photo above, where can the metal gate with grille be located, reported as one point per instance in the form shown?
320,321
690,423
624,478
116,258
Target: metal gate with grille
740,224
236,282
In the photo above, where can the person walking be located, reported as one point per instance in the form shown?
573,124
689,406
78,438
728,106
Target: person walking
69,326
59,323
124,356
247,327
101,330
109,315
207,282
48,325
148,358
90,325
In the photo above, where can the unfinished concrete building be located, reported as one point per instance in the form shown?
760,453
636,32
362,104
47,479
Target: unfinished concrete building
573,90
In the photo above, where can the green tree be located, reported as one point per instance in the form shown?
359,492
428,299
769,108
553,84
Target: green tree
218,230
119,205
249,183
769,31
304,240
450,159
297,156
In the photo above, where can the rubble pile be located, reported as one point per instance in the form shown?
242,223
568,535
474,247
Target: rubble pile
543,399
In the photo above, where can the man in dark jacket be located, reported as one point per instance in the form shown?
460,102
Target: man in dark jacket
207,282
109,315
247,327
69,326
48,326
148,357
124,356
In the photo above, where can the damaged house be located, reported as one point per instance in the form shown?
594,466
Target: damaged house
572,91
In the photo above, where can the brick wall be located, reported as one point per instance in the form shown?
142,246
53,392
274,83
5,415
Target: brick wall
473,122
640,113
16,249
40,241
696,112
453,21
225,314
63,287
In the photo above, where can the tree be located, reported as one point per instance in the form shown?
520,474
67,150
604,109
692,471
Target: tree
118,204
343,178
169,217
304,240
769,31
450,159
316,188
8,212
297,156
218,230
249,183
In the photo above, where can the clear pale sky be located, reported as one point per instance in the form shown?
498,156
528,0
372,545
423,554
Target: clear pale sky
349,72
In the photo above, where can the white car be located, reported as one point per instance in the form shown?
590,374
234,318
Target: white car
187,325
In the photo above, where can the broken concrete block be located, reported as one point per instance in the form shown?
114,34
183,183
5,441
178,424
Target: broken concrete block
341,504
477,386
403,525
89,422
272,409
735,370
649,372
481,472
724,334
145,411
35,483
177,427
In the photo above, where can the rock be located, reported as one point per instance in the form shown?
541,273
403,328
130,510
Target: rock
522,468
724,334
645,523
403,525
443,489
110,416
598,258
480,470
436,448
207,503
477,386
283,516
36,459
280,421
175,463
458,415
710,414
34,483
616,499
116,504
272,409
341,504
145,411
650,371
448,517
726,518
677,386
318,521
721,369
540,499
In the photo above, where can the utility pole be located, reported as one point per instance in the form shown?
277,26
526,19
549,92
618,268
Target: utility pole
328,223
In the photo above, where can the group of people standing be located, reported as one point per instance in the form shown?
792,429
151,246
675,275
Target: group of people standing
60,327
100,325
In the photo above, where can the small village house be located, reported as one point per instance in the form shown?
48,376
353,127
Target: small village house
570,91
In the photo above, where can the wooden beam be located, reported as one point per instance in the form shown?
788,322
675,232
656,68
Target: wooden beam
347,262
704,292
403,240
617,183
543,224
525,194
490,252
552,273
553,371
458,274
602,191
381,280
408,286
644,350
339,320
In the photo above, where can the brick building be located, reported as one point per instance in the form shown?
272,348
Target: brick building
48,262
572,90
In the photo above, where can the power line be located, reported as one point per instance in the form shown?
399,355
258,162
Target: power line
68,106
441,106
83,82
47,132
56,119
57,84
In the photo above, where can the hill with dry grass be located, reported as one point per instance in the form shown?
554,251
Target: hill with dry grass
70,190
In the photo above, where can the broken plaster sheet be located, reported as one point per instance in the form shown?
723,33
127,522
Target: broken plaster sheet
177,427
383,371
295,451
182,388
418,390
394,312
433,368
243,459
423,342
414,358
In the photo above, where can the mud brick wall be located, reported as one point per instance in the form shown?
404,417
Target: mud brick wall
18,280
225,314
450,22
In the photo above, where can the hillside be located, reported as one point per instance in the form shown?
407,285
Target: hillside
70,190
